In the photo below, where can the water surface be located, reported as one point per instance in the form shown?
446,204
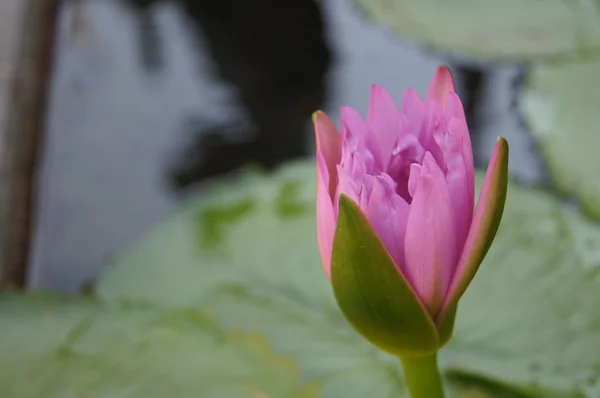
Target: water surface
122,139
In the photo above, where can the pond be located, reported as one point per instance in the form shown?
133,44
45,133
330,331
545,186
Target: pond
196,284
147,105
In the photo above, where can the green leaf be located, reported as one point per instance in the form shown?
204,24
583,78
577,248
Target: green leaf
509,29
560,105
373,295
530,315
529,320
55,348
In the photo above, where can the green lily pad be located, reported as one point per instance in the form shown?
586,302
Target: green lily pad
509,29
560,105
56,348
529,320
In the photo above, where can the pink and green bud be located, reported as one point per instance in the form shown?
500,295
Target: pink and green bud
399,235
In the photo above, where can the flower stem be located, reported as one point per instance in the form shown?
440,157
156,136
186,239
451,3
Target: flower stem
422,376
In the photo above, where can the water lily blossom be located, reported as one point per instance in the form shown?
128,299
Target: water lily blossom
399,234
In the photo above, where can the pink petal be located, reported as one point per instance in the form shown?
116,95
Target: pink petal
433,125
484,226
408,151
325,217
387,213
441,85
454,110
413,178
348,185
424,120
383,120
360,140
413,108
459,177
354,130
328,144
350,177
430,241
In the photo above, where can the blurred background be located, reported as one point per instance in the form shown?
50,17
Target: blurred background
148,100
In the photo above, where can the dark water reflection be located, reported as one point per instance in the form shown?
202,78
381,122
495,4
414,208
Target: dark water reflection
149,100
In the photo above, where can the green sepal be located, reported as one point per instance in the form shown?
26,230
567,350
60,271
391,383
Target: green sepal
446,327
371,291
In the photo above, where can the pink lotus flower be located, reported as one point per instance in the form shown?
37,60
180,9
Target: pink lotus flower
410,172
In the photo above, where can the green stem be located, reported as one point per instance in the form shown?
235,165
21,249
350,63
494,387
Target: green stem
422,376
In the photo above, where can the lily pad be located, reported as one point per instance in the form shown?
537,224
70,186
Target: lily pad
560,105
509,29
55,348
528,321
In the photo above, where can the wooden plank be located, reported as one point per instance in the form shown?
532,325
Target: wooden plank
26,45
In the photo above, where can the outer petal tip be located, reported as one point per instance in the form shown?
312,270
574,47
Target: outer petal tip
326,131
379,94
499,163
441,85
443,77
328,143
320,119
502,141
378,87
